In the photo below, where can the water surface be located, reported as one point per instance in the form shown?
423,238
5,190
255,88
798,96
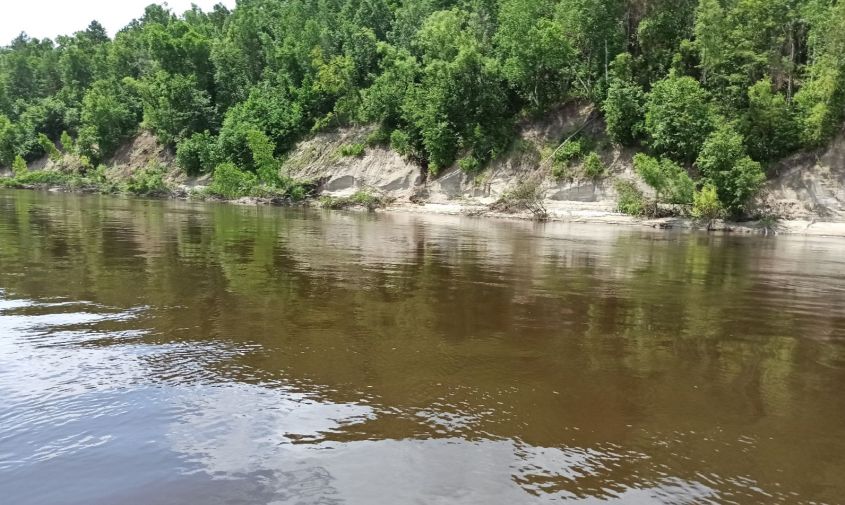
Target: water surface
178,353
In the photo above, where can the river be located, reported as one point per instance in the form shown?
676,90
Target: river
165,352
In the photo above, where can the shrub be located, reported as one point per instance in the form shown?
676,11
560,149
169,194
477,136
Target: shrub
671,183
379,137
231,182
527,194
678,117
147,181
561,172
724,163
569,151
630,199
352,150
401,142
48,147
594,167
361,198
706,204
67,142
19,167
197,154
469,164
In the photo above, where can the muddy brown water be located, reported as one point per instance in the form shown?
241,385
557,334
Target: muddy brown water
157,352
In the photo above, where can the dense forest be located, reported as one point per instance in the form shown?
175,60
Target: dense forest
709,92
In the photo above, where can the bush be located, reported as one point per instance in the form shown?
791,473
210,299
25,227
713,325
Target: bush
706,204
527,194
670,181
147,181
379,137
630,199
570,151
724,163
401,142
19,167
67,142
624,106
352,150
469,164
594,167
361,198
197,154
231,182
678,117
48,147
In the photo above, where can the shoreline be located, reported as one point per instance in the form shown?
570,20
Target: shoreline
558,212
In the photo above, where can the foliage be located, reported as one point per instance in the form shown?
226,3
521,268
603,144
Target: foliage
49,147
19,167
629,199
67,143
724,163
624,106
148,181
109,116
594,167
361,198
768,125
678,117
231,182
569,151
197,154
527,194
469,164
352,150
706,205
671,183
174,106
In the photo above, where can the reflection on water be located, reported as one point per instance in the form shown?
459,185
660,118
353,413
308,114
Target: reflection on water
173,353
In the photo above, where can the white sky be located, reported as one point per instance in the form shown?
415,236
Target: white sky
49,18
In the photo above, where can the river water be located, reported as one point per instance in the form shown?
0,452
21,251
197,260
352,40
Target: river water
156,352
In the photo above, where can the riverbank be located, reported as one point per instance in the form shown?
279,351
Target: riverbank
560,212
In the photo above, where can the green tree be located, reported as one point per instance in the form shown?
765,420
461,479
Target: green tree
174,106
624,106
670,182
536,53
768,124
110,114
723,161
678,117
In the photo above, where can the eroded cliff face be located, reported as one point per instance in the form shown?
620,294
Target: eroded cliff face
384,171
809,185
806,186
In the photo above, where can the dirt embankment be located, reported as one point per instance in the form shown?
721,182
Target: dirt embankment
806,190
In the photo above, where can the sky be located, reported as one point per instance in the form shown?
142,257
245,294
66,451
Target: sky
49,18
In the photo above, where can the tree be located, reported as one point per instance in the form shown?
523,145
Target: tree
724,163
706,205
197,153
670,182
678,117
174,106
768,124
536,53
624,106
110,114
